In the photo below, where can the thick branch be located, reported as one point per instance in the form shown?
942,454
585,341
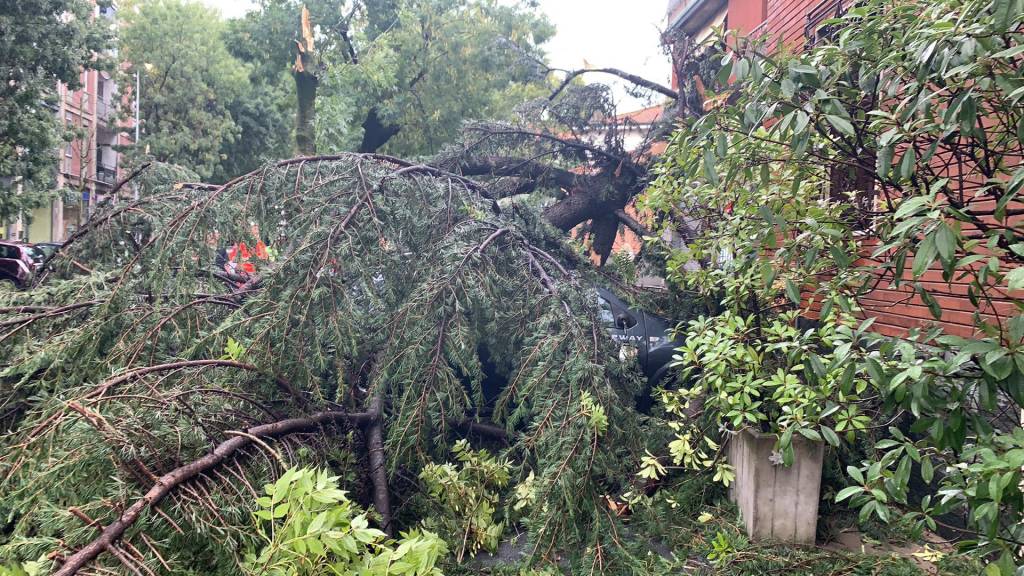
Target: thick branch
632,223
168,482
378,470
603,230
642,82
499,166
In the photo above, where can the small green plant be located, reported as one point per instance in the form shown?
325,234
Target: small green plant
31,568
233,350
309,527
722,547
464,499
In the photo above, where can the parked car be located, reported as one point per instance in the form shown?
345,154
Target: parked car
37,254
16,264
639,334
642,334
48,248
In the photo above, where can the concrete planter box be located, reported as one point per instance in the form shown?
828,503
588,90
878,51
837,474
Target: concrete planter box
776,502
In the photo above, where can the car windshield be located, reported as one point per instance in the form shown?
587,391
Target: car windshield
37,254
604,313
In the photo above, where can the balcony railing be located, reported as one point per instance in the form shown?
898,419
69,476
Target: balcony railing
103,110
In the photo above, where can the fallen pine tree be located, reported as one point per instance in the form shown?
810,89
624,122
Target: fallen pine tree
282,304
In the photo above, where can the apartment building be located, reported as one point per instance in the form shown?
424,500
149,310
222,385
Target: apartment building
101,114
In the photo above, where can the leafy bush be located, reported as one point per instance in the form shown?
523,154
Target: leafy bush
309,526
917,102
465,498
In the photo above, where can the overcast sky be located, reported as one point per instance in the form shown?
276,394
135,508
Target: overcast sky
606,33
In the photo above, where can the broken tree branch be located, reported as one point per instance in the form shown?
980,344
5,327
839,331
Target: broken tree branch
378,470
632,223
632,78
168,482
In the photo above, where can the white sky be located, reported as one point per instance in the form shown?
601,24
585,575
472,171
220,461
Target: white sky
606,33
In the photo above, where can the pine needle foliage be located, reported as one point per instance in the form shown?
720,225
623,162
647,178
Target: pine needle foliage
311,284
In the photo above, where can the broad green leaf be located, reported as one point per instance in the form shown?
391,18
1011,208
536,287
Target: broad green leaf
925,255
1015,278
793,292
847,492
841,124
945,241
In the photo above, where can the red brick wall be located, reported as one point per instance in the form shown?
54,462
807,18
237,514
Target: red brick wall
746,15
896,310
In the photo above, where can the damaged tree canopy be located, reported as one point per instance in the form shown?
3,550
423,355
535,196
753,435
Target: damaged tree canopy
174,339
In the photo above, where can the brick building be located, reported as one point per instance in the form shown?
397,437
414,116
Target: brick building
796,24
90,165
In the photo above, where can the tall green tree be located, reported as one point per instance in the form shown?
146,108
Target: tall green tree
189,80
400,75
42,42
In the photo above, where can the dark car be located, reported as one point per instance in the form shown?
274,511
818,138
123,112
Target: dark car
639,333
16,264
48,249
37,254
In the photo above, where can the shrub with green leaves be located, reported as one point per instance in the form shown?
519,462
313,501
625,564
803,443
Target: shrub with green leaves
308,526
887,154
465,499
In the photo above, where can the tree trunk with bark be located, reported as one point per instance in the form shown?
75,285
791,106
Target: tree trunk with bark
306,83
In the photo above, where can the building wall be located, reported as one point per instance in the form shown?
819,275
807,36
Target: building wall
895,309
88,165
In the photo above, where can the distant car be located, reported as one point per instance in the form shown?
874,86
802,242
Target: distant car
16,264
37,254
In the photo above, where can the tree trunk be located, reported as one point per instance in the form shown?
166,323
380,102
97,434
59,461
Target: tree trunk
305,136
378,465
584,204
375,132
603,232
306,82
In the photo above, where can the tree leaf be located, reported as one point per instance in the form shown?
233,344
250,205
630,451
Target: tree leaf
848,491
793,292
841,124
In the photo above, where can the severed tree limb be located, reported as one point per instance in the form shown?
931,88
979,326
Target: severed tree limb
175,478
632,223
499,166
481,428
632,78
378,469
